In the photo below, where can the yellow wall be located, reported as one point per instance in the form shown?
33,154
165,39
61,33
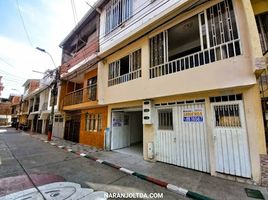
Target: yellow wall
232,72
259,6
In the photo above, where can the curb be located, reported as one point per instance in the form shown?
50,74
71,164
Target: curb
168,186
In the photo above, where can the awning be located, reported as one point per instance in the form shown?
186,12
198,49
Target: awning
44,115
31,116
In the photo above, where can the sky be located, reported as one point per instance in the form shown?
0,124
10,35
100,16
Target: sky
47,23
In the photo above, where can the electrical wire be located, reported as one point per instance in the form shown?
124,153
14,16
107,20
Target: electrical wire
23,24
74,12
194,5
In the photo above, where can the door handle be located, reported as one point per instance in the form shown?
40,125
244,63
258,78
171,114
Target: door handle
174,139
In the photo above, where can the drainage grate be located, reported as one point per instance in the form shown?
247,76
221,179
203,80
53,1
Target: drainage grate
254,193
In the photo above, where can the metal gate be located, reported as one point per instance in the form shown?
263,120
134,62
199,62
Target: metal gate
230,139
181,137
120,130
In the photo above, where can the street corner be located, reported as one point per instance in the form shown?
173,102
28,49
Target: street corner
45,186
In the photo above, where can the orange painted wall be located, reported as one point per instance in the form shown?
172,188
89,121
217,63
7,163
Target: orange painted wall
87,76
95,139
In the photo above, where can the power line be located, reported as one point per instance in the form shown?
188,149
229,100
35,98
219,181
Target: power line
23,24
9,74
74,12
7,62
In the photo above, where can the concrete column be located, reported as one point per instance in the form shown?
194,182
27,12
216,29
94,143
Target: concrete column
255,129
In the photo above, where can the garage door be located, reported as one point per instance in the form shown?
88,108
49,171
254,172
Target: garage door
181,137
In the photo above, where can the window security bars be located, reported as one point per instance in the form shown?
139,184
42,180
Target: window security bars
92,89
125,69
218,40
117,11
227,116
262,23
165,119
93,122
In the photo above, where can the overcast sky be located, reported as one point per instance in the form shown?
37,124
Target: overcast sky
47,22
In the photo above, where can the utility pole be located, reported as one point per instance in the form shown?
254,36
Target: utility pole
54,91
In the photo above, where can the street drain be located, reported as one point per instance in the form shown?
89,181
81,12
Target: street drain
254,193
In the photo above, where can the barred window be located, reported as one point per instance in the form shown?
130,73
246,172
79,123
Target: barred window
262,23
125,69
227,116
117,11
92,88
165,119
93,122
207,37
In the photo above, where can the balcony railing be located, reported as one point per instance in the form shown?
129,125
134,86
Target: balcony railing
80,96
216,53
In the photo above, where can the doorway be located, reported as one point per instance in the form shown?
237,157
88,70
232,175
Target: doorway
127,132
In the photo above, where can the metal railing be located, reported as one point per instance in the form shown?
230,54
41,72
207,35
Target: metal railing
219,52
125,78
80,96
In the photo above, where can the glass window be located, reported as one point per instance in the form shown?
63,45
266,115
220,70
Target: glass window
117,11
93,122
92,88
125,69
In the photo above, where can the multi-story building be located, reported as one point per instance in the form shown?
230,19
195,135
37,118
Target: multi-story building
15,108
5,112
260,9
27,105
177,80
85,118
181,78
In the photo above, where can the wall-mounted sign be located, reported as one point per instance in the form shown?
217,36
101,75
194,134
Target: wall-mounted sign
193,115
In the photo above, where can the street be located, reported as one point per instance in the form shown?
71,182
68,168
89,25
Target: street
24,157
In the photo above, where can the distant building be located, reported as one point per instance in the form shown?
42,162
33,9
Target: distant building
5,112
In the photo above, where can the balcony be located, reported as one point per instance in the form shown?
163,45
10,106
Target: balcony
83,95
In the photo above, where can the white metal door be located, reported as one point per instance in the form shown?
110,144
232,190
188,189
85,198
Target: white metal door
230,138
120,130
186,144
58,129
192,144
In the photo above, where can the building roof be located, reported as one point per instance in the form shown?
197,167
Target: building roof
92,12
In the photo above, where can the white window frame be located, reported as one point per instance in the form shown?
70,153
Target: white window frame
114,76
117,12
211,53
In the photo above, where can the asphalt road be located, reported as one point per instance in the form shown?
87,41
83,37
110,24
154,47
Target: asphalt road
23,159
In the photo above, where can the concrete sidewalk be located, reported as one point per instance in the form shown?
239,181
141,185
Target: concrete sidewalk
195,181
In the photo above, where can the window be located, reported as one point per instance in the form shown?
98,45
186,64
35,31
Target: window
184,39
227,116
165,119
92,88
117,11
125,69
93,122
210,36
262,23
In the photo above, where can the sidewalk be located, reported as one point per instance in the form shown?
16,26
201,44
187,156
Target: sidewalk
195,181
